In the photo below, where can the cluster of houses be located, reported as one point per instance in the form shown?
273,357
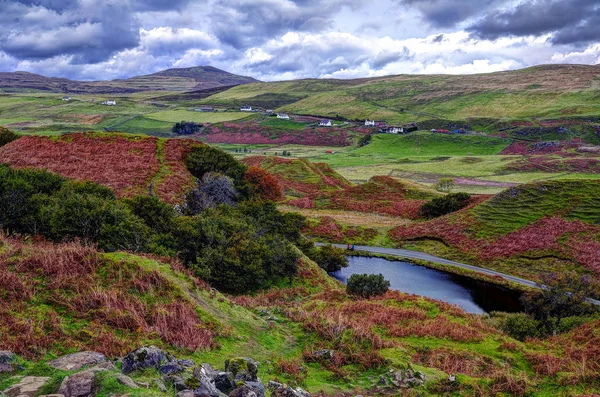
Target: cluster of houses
390,129
110,102
456,131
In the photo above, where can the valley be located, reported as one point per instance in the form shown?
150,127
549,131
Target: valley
119,232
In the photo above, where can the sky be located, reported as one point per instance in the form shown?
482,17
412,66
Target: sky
290,39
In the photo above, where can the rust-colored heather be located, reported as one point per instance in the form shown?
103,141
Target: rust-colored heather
178,324
512,385
439,327
544,364
176,180
454,361
292,368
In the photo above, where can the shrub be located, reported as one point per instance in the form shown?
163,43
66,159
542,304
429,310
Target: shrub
444,205
330,258
263,184
212,190
521,326
157,215
445,185
364,140
367,285
7,136
186,128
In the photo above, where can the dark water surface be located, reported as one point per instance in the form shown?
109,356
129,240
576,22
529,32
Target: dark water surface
472,295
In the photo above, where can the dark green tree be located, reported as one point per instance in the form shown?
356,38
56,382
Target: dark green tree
367,285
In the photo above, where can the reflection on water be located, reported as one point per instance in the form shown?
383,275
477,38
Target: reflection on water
473,296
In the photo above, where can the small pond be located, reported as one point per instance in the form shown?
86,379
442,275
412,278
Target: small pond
472,295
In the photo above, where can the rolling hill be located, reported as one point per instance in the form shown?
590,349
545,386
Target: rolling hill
547,91
182,79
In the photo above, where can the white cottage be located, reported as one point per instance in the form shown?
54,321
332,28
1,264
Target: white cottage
283,116
110,102
370,123
246,108
325,123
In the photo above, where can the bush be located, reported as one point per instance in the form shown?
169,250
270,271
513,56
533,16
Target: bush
367,285
7,136
444,205
365,140
185,128
445,185
263,184
521,326
212,190
330,258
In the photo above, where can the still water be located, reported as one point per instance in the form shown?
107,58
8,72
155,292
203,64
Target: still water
473,296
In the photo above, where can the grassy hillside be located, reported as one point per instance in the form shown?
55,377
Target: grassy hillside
127,163
543,91
184,79
526,230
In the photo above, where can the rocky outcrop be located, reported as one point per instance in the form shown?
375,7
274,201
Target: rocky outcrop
7,359
242,368
148,357
81,384
76,361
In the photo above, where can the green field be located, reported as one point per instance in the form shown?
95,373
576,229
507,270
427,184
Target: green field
177,115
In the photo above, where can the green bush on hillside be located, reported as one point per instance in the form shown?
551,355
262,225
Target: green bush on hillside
330,258
444,205
367,285
7,136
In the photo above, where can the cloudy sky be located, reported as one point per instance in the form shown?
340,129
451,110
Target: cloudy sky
287,39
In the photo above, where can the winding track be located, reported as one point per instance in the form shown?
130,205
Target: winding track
436,259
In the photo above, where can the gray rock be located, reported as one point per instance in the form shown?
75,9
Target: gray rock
170,368
52,395
107,365
322,355
187,363
28,386
7,357
223,381
185,393
177,381
146,357
243,391
76,361
161,386
287,391
81,384
257,387
127,381
6,368
272,385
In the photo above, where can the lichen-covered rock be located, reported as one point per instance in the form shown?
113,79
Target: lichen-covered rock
76,361
177,382
146,357
257,387
223,381
7,357
28,386
242,368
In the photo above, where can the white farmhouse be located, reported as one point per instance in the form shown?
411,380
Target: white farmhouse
66,98
283,116
246,108
370,123
110,102
395,130
325,123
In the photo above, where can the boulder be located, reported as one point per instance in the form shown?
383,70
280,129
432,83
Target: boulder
223,381
177,381
161,386
287,391
322,355
185,393
243,391
81,384
76,361
28,386
146,357
127,381
170,369
257,387
242,368
7,357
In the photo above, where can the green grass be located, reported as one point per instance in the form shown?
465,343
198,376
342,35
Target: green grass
176,115
523,205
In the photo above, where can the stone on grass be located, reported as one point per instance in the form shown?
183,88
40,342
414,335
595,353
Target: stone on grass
127,381
28,386
242,368
146,357
76,361
81,384
243,391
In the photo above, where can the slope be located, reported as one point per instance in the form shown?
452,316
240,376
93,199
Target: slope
541,91
129,164
183,79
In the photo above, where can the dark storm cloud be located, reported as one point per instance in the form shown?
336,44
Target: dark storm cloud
244,24
88,31
569,22
448,13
